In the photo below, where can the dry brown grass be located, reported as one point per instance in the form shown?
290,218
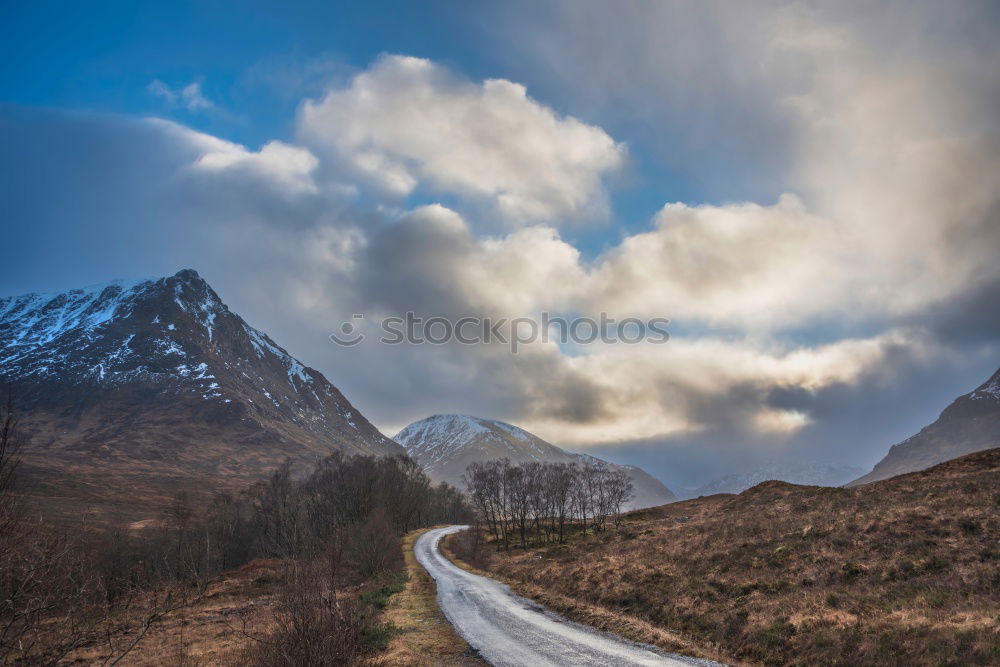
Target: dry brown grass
425,637
904,571
211,630
206,632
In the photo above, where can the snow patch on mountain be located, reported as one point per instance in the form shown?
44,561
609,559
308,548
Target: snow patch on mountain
989,390
168,337
40,319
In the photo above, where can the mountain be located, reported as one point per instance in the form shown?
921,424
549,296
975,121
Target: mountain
446,444
159,382
970,424
807,474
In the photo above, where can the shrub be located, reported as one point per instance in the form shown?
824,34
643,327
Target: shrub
377,637
312,627
379,597
375,549
969,526
468,546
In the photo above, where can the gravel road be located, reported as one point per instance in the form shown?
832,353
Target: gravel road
508,629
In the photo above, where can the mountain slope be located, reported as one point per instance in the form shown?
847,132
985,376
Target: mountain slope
808,474
970,424
446,444
899,572
159,378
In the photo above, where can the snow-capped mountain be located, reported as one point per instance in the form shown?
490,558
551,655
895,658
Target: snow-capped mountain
160,375
810,474
445,445
970,424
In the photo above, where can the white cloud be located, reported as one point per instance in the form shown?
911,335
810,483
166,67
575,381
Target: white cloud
190,97
780,422
431,262
284,168
408,123
744,265
289,167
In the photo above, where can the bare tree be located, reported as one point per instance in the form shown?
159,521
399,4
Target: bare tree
560,480
542,499
619,491
10,458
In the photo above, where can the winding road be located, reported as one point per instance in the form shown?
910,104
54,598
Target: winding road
507,629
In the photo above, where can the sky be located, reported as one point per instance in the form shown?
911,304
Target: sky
807,191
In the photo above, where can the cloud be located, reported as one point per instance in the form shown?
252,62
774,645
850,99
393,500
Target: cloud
407,124
744,265
707,384
189,97
430,262
827,321
288,167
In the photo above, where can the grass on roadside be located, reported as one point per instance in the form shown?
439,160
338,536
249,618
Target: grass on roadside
424,637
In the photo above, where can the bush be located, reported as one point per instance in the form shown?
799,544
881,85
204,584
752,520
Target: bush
377,637
313,627
969,526
379,597
469,547
375,549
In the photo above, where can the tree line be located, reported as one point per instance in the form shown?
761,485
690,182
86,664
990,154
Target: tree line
336,526
541,501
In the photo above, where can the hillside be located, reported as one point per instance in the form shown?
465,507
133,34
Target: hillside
812,474
901,571
970,424
156,384
445,445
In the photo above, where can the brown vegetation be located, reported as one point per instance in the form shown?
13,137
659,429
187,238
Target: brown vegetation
93,594
904,571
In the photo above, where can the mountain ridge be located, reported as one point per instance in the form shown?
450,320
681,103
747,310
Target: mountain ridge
445,444
158,378
807,474
971,423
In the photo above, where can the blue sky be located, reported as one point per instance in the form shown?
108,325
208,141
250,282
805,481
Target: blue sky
807,190
257,64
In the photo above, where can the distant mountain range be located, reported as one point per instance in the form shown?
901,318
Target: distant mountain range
445,445
808,474
970,424
158,381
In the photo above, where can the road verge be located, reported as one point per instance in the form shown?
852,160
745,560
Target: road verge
425,637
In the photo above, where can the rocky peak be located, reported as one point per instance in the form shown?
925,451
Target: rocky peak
126,349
